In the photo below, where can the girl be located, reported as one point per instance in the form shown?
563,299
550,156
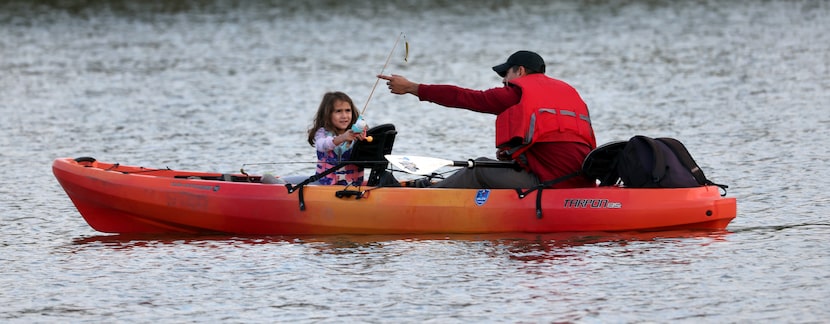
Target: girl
333,138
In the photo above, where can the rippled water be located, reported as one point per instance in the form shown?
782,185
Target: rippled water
212,85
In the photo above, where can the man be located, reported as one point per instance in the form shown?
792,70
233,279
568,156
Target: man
542,124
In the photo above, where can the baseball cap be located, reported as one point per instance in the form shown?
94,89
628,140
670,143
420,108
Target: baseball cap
528,59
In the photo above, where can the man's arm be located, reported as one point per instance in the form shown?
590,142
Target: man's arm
492,101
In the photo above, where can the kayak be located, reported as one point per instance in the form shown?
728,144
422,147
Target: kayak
116,198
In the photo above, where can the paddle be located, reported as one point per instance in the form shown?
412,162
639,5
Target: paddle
422,165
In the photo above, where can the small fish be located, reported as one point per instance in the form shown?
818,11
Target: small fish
406,53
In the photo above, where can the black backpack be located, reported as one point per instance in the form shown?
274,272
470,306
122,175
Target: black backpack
644,162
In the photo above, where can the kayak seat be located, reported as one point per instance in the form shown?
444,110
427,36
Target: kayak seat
370,155
601,163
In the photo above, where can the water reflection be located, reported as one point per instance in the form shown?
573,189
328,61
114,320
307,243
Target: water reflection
132,241
557,246
520,246
776,228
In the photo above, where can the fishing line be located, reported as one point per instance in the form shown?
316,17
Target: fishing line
269,163
299,162
377,80
242,168
114,167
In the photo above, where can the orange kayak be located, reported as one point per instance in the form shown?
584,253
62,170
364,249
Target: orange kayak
115,198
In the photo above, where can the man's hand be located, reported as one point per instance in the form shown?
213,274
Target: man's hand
399,85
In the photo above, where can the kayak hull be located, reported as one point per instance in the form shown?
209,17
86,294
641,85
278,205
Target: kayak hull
125,199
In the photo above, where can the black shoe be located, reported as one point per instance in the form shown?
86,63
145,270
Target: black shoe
388,180
419,183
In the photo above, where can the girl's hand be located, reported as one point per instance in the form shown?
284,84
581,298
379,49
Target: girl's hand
362,135
348,136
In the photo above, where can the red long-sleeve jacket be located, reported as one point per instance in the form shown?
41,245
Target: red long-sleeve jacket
547,160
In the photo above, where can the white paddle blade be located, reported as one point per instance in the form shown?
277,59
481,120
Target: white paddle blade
419,165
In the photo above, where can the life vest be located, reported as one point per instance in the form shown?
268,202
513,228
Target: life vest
549,111
347,175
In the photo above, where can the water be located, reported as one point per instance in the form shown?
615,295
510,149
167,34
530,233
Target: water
212,85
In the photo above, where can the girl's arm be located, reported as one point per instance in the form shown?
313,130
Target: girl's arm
322,141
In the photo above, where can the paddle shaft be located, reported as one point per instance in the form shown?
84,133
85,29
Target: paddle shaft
427,165
485,163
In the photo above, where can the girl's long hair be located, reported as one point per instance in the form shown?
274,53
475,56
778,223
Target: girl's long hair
326,109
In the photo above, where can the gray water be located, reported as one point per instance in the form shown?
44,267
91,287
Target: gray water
215,85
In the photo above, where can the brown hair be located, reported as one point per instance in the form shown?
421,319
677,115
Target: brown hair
326,109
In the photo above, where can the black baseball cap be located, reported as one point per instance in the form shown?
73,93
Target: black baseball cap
528,59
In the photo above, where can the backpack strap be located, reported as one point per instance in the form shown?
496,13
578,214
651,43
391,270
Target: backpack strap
686,159
683,155
658,170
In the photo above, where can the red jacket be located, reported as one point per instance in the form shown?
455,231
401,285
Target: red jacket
547,160
549,111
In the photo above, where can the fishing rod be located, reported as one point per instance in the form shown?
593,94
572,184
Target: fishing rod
377,80
360,124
